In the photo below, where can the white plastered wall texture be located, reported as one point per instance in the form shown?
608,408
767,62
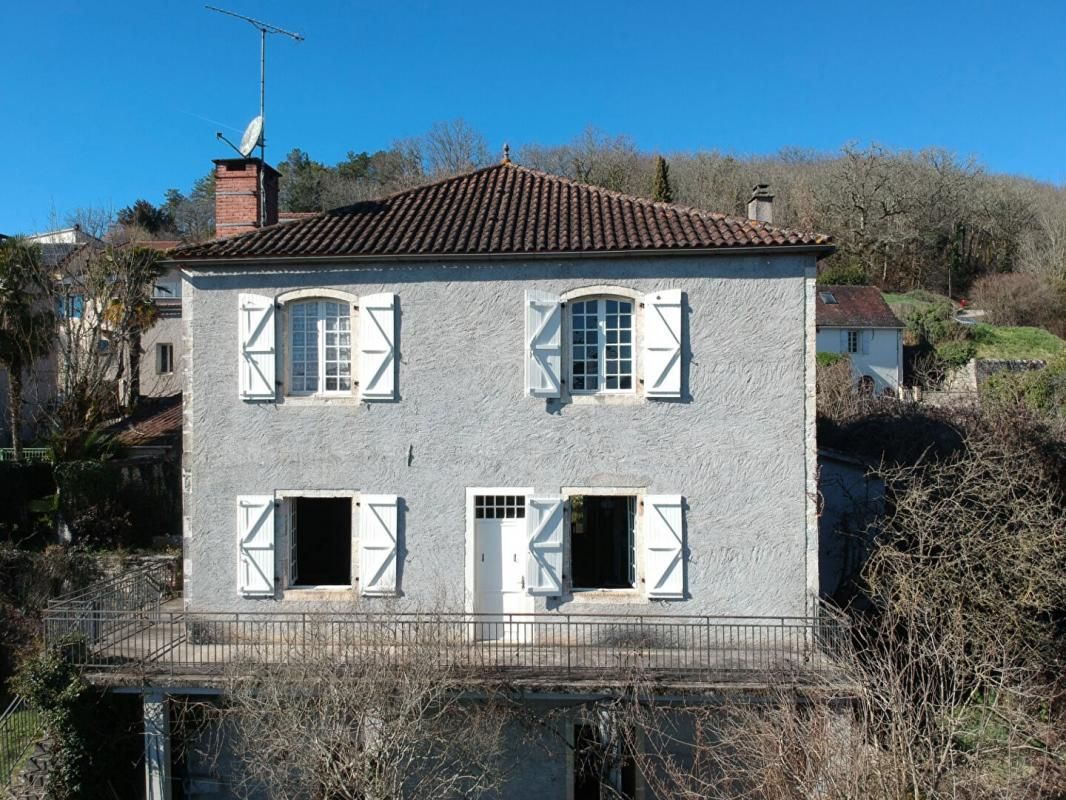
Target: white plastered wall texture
738,445
882,360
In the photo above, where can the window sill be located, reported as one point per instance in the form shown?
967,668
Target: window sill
318,593
607,596
604,400
319,400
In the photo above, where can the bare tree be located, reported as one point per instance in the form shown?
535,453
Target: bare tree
365,711
450,148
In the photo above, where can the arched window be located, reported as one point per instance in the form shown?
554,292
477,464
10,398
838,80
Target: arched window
602,345
319,347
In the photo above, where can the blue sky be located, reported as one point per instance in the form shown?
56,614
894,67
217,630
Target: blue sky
107,101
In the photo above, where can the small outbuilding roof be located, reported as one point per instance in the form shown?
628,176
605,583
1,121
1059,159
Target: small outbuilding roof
157,422
503,210
853,307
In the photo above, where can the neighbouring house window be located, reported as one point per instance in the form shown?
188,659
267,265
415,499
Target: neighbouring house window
854,341
164,358
320,541
602,552
70,306
320,347
167,289
601,346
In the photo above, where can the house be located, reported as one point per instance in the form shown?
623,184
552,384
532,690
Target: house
857,322
507,389
539,410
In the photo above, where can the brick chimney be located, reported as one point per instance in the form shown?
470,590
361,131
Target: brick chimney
761,205
237,207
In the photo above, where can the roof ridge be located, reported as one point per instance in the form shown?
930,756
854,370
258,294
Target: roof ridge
717,216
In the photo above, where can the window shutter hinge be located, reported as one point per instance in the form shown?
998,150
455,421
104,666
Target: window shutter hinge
640,305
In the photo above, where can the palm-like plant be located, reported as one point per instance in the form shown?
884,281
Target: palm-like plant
27,322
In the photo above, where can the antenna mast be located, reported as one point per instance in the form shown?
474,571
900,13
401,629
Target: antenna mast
264,28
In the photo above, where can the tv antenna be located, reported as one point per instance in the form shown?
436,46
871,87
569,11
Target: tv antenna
255,133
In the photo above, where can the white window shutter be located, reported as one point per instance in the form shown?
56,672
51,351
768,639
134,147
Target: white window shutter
258,354
544,564
662,343
864,337
377,346
255,545
544,359
377,544
843,341
665,546
257,347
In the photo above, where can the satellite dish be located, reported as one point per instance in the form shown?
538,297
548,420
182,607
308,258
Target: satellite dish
250,140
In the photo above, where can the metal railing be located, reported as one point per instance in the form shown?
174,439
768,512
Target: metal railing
108,608
20,730
151,642
29,454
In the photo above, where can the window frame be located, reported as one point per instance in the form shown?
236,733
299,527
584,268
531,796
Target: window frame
283,545
285,304
636,593
856,336
602,294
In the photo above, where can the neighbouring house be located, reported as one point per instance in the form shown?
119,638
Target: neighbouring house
59,248
857,322
554,411
161,344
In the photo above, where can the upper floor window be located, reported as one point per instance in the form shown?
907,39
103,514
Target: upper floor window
320,347
601,345
590,349
311,344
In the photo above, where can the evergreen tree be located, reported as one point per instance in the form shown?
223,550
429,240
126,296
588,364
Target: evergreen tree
661,191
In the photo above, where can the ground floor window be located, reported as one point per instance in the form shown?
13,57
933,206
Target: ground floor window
601,541
320,541
601,768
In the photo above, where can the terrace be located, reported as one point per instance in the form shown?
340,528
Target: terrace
133,631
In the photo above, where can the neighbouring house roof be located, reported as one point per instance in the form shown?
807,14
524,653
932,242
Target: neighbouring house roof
157,422
162,245
853,307
503,210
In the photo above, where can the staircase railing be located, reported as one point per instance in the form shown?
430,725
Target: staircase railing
20,730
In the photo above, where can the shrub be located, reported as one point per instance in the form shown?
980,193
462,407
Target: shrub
843,274
954,354
934,324
1020,299
829,359
1042,390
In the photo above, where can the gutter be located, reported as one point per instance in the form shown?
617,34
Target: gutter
819,250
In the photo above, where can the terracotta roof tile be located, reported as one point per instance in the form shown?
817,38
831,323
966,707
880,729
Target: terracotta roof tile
156,422
855,307
501,210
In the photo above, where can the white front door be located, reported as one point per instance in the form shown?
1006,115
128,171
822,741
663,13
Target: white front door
500,567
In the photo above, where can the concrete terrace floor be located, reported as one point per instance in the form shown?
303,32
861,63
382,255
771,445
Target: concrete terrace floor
169,647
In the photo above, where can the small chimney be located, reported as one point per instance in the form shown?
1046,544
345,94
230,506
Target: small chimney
237,206
761,205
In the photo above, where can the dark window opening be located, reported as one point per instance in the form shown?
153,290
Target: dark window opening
322,527
601,541
600,770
